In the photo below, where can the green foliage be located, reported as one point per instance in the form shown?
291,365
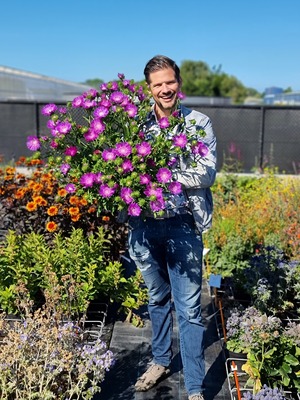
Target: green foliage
93,83
200,80
250,212
80,261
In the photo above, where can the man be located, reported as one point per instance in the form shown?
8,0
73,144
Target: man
168,249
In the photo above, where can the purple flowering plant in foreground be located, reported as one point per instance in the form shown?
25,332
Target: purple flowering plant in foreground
106,154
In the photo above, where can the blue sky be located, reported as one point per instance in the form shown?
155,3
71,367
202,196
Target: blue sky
257,41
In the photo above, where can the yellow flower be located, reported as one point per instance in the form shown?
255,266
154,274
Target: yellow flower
53,210
31,206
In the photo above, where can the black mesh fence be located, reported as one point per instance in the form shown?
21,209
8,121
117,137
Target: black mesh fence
249,137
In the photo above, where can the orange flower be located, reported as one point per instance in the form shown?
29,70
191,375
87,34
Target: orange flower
73,211
91,210
51,226
62,192
37,187
31,206
43,202
83,202
53,210
105,218
75,218
74,200
10,170
38,200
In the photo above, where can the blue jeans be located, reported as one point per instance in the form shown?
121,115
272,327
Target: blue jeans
168,253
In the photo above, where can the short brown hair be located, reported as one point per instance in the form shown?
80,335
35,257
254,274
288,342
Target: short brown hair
161,62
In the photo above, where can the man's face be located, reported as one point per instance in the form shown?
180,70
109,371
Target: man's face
164,88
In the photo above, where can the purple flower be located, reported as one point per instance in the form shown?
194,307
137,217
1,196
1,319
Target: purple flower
164,123
175,187
157,205
114,85
172,162
123,149
33,143
200,148
101,112
109,154
125,195
53,144
51,124
131,110
153,191
117,97
181,95
63,110
87,179
98,177
78,102
164,175
97,125
121,76
70,188
106,191
127,166
64,127
103,87
143,149
65,168
134,210
105,102
49,109
145,179
91,135
71,151
89,103
180,140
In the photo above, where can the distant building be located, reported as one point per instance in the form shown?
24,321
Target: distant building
16,84
276,96
198,100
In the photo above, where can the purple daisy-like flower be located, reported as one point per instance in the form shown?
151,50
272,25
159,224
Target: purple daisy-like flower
175,187
172,162
200,148
105,102
101,112
181,95
70,188
98,177
97,125
125,195
106,191
123,149
164,175
63,110
89,103
164,123
51,124
78,102
91,135
145,179
153,190
65,168
53,144
127,166
33,143
64,127
117,97
49,109
131,110
157,205
71,151
143,149
114,85
180,140
134,210
87,180
109,154
126,82
103,87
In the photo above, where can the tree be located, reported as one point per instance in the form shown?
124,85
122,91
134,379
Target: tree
94,83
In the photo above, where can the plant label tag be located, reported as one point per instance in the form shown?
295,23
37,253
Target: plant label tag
215,280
